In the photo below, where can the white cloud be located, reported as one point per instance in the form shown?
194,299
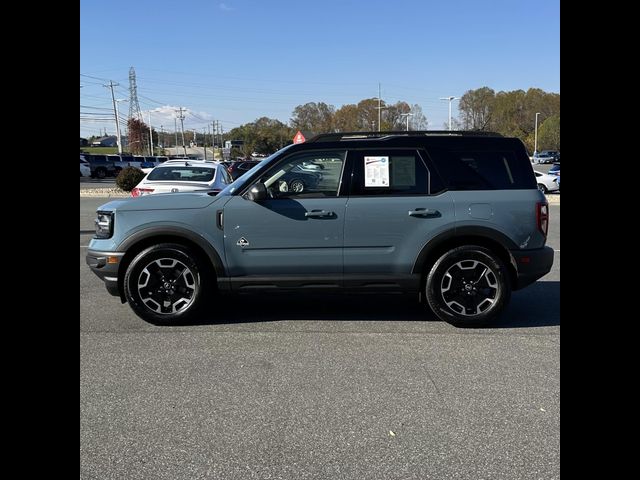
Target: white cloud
226,8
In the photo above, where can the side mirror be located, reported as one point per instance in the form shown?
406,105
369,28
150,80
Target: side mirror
256,193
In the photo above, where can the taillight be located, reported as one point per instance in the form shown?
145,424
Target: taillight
542,217
138,192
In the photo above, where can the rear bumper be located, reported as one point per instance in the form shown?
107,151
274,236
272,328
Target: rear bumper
106,265
531,265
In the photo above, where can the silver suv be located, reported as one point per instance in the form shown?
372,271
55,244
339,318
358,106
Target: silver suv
453,217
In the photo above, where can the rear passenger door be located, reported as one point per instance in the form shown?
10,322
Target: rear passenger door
396,205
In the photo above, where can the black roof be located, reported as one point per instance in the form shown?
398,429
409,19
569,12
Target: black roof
335,137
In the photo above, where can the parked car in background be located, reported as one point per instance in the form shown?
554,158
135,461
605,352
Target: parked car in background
546,183
555,169
101,166
85,167
240,167
546,156
175,176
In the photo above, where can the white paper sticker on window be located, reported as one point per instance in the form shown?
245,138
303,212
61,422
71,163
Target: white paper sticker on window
376,171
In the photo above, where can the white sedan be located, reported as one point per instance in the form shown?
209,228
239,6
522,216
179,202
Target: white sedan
85,167
546,183
183,176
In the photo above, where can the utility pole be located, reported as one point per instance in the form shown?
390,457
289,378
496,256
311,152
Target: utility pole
450,100
535,142
204,134
380,108
115,112
181,117
150,136
162,133
175,129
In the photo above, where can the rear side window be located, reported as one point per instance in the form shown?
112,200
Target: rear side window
389,172
467,169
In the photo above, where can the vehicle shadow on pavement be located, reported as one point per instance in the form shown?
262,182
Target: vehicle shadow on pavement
536,306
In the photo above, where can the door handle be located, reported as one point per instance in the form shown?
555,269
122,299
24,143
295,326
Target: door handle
318,214
424,212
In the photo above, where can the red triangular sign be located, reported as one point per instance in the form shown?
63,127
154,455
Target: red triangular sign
299,137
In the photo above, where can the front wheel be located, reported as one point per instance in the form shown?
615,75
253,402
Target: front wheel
165,284
468,286
296,186
542,188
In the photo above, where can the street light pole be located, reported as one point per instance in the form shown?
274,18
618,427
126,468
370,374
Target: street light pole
535,141
407,115
450,100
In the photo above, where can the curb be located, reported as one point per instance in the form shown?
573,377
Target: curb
104,192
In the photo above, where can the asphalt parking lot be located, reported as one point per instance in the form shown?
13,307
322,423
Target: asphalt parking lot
302,386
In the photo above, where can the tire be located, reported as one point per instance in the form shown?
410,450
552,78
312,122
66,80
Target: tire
296,186
468,286
542,188
178,281
101,172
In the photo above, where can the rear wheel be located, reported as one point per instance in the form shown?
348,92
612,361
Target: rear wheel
542,188
468,286
101,172
165,284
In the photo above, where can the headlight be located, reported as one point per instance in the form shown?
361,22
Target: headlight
104,224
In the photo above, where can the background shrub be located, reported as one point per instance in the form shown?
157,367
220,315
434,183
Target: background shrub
129,177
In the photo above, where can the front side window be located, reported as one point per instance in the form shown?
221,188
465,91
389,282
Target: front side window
308,174
389,172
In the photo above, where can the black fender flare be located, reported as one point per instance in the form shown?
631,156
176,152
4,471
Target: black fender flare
465,231
174,231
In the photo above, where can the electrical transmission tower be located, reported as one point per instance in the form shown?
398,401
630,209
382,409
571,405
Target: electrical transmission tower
134,106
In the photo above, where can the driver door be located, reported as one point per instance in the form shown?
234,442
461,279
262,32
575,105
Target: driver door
295,235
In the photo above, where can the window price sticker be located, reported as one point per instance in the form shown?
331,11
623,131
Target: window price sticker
376,171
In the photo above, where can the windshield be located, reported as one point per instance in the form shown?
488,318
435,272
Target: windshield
240,181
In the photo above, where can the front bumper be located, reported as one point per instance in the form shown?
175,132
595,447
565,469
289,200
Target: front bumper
531,265
106,265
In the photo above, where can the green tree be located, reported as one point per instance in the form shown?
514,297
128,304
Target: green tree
549,134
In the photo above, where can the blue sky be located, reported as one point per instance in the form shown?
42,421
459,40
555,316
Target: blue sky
238,60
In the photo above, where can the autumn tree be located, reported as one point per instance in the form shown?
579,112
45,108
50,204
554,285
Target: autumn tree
346,118
476,108
313,117
138,136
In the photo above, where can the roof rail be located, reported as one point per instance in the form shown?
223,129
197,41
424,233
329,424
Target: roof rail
334,137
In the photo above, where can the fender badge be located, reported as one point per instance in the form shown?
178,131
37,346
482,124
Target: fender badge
242,242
